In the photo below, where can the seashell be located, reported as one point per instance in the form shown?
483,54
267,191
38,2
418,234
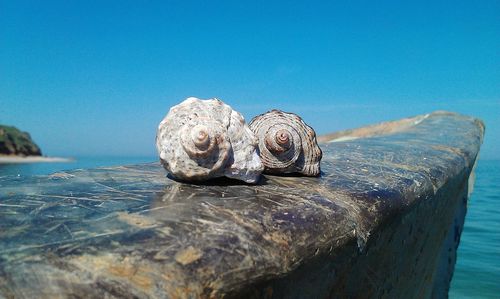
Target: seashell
286,143
203,139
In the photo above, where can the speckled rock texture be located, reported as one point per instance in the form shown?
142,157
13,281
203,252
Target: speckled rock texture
382,221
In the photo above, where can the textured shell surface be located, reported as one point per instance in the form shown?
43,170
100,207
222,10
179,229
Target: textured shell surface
286,143
203,139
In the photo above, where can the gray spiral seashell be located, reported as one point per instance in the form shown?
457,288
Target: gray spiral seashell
286,144
203,139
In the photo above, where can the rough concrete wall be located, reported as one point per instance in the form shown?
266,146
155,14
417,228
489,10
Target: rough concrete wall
411,255
383,220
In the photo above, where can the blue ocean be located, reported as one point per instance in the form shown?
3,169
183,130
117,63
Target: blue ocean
477,272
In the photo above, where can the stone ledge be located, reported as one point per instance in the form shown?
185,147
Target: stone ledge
383,220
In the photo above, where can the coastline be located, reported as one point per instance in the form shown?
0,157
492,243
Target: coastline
5,159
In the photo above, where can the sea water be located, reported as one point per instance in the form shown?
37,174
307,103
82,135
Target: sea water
477,272
25,169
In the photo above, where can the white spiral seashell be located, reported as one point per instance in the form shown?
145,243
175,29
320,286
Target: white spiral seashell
203,139
286,143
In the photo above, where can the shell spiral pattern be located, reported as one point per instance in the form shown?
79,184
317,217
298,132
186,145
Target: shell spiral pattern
203,139
286,143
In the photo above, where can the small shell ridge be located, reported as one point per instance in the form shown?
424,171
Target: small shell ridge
286,144
203,139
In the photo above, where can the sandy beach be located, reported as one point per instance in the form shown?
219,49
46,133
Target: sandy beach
4,159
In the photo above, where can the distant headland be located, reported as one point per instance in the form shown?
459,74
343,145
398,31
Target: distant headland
16,142
17,146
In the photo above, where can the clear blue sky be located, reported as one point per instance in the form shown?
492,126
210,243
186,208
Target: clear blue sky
96,77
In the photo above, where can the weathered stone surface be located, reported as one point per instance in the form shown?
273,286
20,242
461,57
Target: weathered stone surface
383,220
